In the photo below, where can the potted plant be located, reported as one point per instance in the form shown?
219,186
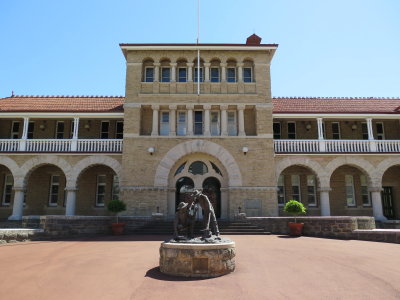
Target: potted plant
295,208
116,206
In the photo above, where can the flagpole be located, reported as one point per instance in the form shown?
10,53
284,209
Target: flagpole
198,48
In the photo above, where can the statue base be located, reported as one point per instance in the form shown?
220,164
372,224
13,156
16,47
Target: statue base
198,258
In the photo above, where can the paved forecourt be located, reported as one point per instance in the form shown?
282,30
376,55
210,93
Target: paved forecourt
267,267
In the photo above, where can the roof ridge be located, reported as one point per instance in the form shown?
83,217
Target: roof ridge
63,96
336,97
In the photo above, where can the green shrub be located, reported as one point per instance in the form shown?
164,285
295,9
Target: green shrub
294,208
116,206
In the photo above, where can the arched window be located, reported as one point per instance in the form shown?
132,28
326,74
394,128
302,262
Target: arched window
216,169
148,70
184,188
248,71
198,168
180,169
212,188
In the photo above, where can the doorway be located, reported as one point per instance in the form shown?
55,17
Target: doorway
387,202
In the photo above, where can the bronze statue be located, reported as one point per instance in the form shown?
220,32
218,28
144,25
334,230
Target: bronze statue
208,214
185,218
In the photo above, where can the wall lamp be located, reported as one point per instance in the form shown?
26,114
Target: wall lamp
245,150
87,125
43,126
308,127
151,150
354,126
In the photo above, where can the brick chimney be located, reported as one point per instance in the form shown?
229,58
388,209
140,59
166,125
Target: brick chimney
254,39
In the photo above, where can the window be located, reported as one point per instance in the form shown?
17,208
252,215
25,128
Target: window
195,75
350,199
100,190
296,187
149,74
60,130
181,127
281,190
198,168
8,185
231,74
105,125
364,130
164,123
119,130
335,131
232,126
71,134
31,128
311,191
182,74
291,130
214,72
215,128
247,76
277,130
216,169
54,190
115,188
380,132
180,169
15,129
366,200
165,74
198,122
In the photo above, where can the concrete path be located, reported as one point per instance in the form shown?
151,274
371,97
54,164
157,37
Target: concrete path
268,267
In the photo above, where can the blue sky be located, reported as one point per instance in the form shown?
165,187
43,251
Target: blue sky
326,48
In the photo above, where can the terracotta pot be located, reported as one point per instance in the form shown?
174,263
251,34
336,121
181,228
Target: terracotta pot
117,228
296,228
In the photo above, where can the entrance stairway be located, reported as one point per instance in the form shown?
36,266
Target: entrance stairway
225,228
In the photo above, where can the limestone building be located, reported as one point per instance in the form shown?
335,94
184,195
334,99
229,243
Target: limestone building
227,135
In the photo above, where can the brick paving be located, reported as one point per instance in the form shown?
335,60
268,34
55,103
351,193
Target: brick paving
268,267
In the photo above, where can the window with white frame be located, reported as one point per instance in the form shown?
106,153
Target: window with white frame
335,130
54,190
296,191
31,129
247,75
104,129
181,126
101,190
198,122
364,131
380,131
115,188
195,75
165,74
231,74
149,74
232,123
214,74
291,130
164,123
215,124
15,129
277,130
350,196
182,74
119,130
281,190
311,191
366,200
8,185
60,126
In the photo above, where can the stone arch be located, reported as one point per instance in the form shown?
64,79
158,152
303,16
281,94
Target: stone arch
29,166
356,162
304,162
383,166
11,165
197,146
90,161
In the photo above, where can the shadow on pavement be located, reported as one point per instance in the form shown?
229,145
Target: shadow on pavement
155,273
288,237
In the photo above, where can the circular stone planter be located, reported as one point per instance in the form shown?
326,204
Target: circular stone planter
197,260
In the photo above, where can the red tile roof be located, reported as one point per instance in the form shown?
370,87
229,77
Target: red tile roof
61,104
336,105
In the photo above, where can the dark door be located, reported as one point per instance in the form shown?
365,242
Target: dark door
184,189
387,202
212,188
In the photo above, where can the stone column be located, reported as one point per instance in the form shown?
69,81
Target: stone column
172,120
70,202
223,72
377,203
173,72
154,131
207,72
22,144
189,119
207,108
240,72
75,134
18,206
324,198
322,145
241,120
371,139
224,120
156,72
190,72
